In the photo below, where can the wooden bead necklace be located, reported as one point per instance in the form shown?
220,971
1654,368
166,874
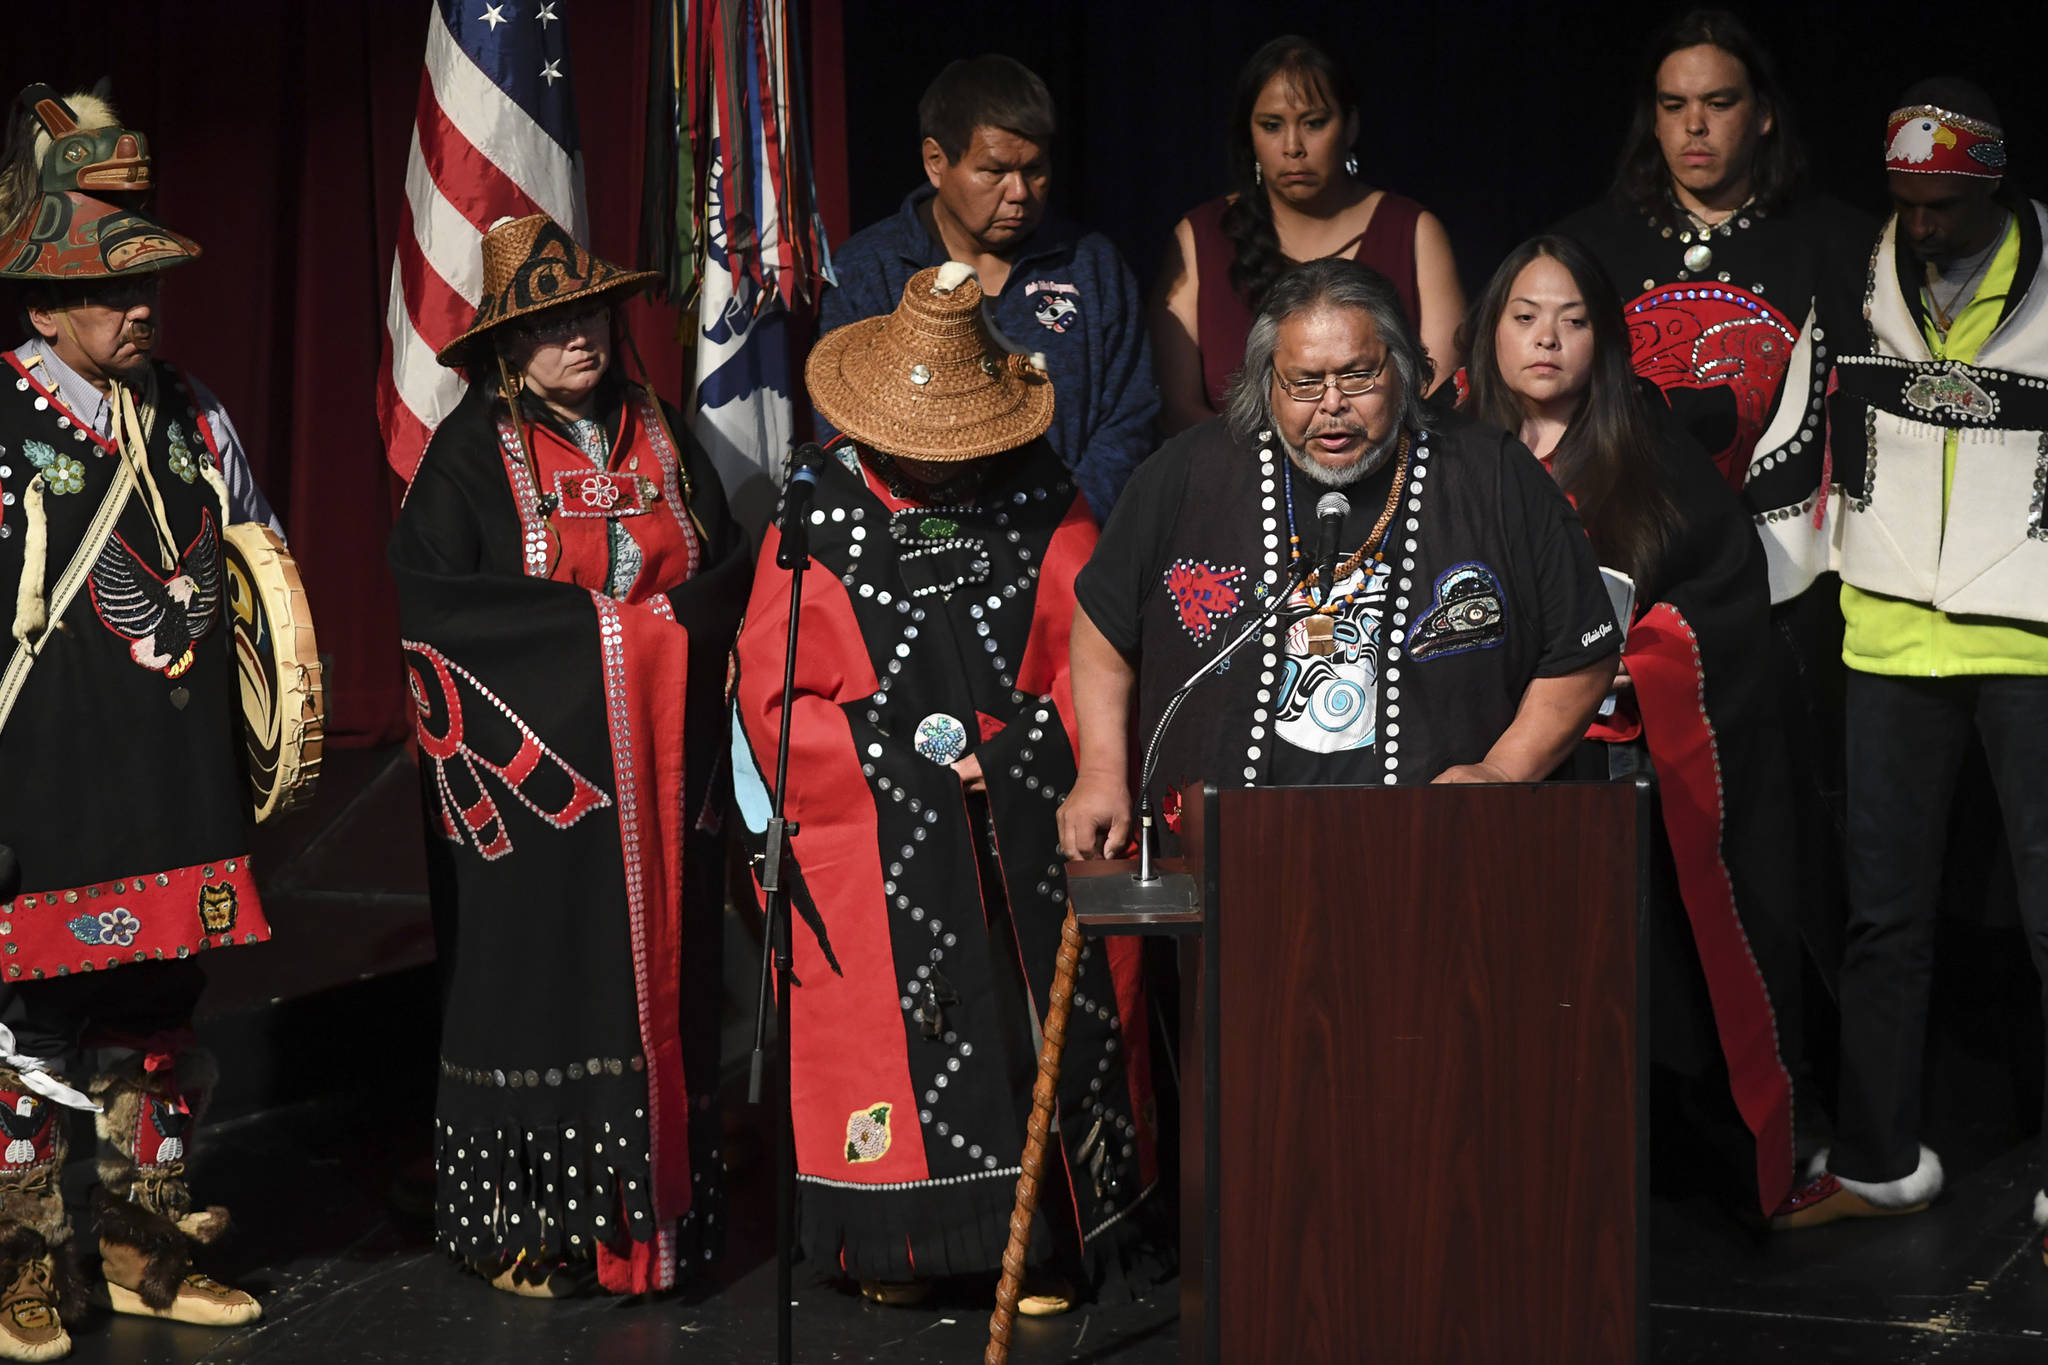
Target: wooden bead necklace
1321,624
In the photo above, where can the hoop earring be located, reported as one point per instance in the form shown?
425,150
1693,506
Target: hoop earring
1351,165
1258,174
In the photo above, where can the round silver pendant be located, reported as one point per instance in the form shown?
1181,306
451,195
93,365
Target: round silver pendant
940,738
1698,258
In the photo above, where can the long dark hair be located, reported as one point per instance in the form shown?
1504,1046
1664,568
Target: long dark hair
1644,180
1607,459
1248,222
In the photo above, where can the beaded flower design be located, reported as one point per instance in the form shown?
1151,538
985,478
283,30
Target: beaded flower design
65,475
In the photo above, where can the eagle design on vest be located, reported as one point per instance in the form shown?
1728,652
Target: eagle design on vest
163,618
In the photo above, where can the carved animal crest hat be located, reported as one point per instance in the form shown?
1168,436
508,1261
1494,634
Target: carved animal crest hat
63,155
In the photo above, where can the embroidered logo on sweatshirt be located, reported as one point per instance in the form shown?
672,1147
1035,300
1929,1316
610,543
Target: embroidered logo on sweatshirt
1055,305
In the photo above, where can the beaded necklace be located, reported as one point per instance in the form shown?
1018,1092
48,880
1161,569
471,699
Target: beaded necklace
1321,624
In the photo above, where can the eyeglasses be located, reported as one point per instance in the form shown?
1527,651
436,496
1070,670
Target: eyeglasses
1352,384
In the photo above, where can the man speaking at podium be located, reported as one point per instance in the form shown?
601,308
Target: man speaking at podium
1450,624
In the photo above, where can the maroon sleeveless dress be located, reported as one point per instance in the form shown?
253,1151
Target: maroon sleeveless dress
1222,320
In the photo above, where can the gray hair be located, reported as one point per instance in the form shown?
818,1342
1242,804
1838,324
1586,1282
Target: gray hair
1333,282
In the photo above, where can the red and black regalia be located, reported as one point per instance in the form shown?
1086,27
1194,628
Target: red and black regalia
935,627
141,635
1739,328
124,807
1723,940
566,628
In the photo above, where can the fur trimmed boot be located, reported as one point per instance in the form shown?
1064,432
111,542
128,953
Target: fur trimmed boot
147,1221
1827,1198
39,1281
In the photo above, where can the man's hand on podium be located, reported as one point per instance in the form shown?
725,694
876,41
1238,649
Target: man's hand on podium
1095,819
1471,772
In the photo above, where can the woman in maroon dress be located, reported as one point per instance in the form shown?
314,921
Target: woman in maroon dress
1299,197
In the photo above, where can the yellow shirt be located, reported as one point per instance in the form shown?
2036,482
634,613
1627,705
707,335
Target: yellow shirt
1891,635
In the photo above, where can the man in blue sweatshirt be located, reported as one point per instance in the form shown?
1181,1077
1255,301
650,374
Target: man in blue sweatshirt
988,124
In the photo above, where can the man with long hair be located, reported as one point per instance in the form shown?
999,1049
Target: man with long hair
1048,287
1736,281
1465,635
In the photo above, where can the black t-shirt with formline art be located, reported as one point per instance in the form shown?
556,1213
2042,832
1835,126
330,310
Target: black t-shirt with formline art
1488,581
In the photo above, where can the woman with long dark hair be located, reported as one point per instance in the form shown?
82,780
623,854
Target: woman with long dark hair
1550,360
1298,195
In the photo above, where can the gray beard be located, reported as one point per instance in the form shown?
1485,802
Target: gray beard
1339,478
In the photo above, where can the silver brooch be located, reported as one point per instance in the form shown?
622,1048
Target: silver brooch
940,738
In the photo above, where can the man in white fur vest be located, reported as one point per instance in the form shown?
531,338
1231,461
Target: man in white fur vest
1939,435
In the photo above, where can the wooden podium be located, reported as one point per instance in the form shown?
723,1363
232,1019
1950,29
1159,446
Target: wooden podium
1412,1096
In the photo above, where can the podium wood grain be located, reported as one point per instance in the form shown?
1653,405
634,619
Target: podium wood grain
1417,1035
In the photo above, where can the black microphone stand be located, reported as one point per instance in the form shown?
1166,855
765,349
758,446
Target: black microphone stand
794,555
1145,875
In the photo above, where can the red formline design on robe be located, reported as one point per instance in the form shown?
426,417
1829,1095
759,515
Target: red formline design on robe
1664,659
641,655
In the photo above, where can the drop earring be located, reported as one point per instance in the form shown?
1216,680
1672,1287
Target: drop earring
1258,174
1351,165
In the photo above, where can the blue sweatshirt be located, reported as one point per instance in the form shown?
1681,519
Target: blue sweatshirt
1069,295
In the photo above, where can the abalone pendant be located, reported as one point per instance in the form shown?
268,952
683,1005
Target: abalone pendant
1699,258
1322,634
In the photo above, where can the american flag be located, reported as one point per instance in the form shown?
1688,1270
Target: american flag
494,136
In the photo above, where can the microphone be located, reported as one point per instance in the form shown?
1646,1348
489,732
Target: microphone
1275,604
1331,509
795,538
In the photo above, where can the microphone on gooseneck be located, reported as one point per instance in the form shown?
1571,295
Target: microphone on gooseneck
1273,607
794,531
1331,509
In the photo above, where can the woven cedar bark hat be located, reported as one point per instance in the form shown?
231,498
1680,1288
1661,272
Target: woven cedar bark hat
532,265
928,381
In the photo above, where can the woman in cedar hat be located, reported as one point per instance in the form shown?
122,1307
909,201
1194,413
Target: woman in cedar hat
932,735
569,584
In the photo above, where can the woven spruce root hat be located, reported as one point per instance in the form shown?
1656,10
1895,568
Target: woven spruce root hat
928,381
531,265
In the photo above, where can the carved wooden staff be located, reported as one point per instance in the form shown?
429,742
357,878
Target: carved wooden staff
1037,1136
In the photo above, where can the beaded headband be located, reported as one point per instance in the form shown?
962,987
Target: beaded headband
1925,139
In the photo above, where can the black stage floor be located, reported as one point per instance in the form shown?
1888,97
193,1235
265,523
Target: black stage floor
327,1043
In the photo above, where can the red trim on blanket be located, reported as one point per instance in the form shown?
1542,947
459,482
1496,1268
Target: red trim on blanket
168,914
1043,669
850,1051
642,655
1663,658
